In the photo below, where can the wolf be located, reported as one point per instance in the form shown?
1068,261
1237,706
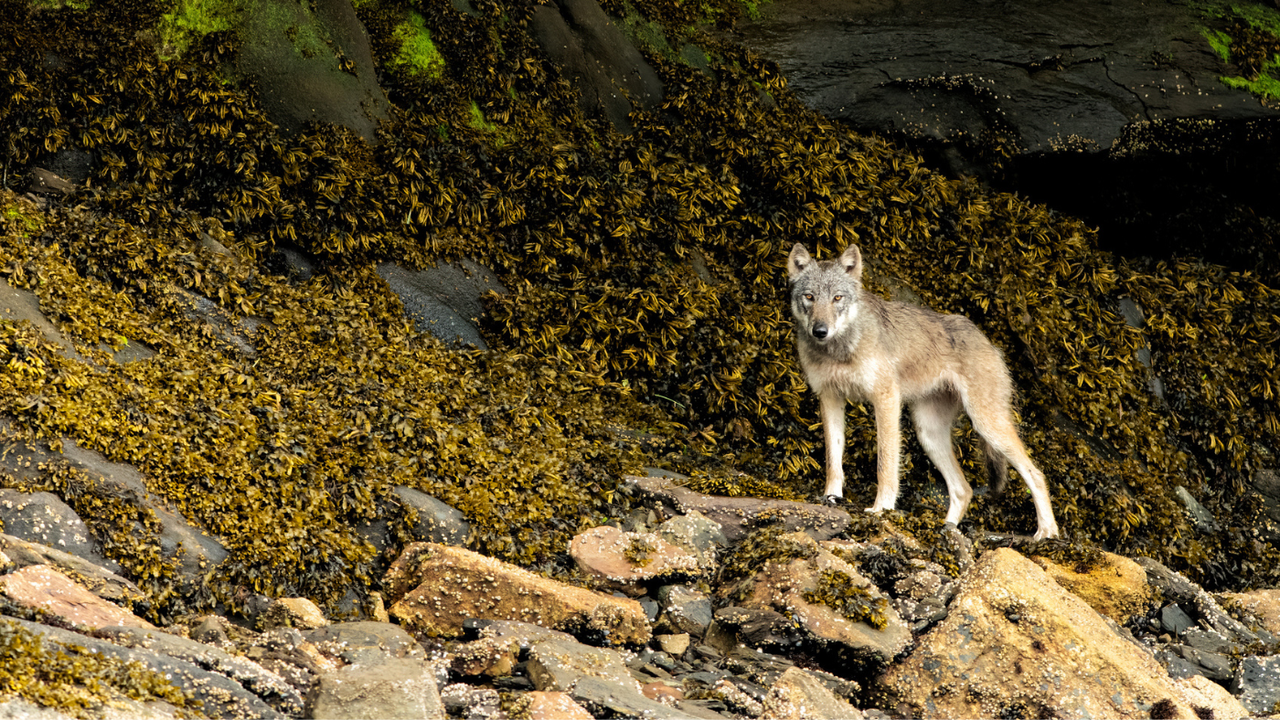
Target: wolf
855,346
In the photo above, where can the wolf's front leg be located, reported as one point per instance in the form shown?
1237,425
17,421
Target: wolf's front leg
833,432
887,403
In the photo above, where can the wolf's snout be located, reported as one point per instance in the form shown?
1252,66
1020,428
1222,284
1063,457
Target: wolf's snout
819,330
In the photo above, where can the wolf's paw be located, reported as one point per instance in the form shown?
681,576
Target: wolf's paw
832,500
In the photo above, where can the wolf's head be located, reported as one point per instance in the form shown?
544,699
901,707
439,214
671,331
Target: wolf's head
824,295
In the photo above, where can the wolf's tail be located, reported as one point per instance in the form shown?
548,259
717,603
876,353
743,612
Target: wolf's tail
997,470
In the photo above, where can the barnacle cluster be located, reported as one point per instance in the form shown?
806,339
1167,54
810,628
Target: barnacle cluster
765,545
646,322
837,590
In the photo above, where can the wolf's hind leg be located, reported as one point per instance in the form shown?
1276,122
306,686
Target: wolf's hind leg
1002,437
934,417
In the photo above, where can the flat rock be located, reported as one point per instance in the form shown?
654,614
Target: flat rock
436,588
696,533
798,695
99,580
1017,642
391,688
434,520
300,613
344,638
684,609
630,561
443,300
1117,587
739,516
554,706
43,588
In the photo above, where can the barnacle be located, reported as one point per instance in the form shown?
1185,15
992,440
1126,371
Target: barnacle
837,590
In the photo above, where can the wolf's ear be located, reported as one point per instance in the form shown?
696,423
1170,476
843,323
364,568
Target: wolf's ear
797,261
851,261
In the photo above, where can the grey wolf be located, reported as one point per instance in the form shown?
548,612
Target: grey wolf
855,346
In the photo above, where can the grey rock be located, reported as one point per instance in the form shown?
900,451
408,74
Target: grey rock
249,675
345,638
298,76
1174,620
436,521
392,688
611,75
43,518
1192,598
685,609
1257,684
235,333
221,697
1200,515
696,533
607,699
97,579
739,516
1178,667
445,300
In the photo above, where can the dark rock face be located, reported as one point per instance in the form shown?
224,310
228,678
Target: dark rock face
611,74
293,51
1108,109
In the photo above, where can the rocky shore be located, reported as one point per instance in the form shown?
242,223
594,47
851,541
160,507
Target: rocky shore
696,606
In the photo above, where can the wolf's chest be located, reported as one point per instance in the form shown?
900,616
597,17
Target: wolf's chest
854,378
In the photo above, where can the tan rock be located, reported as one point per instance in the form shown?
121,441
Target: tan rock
1263,605
486,656
554,706
798,695
674,645
1015,641
629,561
662,692
1117,587
450,585
299,613
41,587
1202,693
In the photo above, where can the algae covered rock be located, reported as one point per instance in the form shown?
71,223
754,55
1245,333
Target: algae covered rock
629,561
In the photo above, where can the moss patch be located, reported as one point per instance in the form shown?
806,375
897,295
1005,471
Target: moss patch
416,55
1251,41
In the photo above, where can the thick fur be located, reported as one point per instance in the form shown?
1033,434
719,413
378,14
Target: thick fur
854,346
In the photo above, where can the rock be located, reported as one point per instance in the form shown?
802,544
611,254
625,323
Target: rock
629,561
435,588
684,609
487,656
98,579
1115,587
1174,620
346,639
1257,684
43,518
42,588
785,587
1192,599
798,695
18,304
612,77
1204,694
48,183
598,678
1262,605
220,696
234,333
1016,642
738,516
473,703
268,686
695,533
434,521
674,645
444,300
1044,79
390,688
1200,515
293,52
554,706
298,613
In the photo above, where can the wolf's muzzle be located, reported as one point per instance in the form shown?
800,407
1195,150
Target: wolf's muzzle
819,330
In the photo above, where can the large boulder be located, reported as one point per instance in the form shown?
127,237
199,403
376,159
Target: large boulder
1115,586
1017,643
738,516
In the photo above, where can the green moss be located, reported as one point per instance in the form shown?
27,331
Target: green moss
416,54
1250,40
838,591
73,680
190,20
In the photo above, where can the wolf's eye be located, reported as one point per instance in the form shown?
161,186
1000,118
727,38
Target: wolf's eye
808,296
837,298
